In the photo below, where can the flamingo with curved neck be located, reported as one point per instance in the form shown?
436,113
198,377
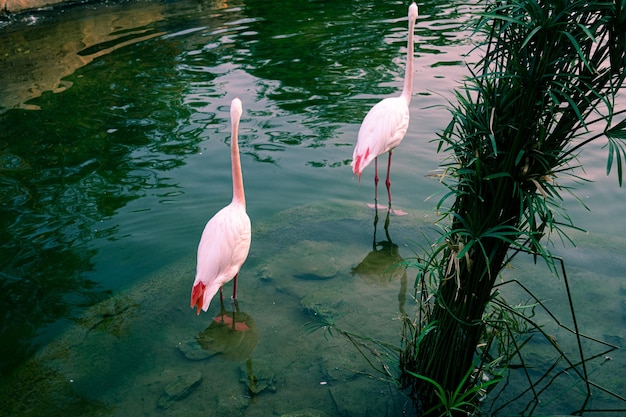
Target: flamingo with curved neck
225,241
386,123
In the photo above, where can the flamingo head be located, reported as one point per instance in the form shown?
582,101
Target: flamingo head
413,11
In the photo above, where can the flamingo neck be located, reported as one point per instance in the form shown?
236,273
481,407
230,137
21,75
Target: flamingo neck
407,89
238,193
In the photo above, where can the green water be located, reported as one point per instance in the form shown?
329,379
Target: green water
114,153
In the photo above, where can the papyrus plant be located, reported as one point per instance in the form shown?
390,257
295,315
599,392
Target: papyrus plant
543,89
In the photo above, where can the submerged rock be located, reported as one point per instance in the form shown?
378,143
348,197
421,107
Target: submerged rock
179,388
232,404
192,350
258,376
355,400
307,260
324,302
343,366
307,412
110,316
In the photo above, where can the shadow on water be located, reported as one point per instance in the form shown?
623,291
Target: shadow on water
58,182
69,166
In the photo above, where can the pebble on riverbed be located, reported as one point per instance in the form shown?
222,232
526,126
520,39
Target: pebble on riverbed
258,376
324,301
307,412
307,260
192,350
177,389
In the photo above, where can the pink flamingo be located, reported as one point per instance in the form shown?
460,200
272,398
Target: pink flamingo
386,123
226,237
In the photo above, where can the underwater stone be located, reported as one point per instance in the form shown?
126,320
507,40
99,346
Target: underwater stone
179,388
232,404
359,398
264,274
324,302
307,412
192,350
258,376
343,366
307,260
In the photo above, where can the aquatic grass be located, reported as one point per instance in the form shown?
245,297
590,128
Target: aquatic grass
381,356
461,400
525,327
547,78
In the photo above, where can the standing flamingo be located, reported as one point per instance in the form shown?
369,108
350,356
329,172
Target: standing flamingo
226,237
386,123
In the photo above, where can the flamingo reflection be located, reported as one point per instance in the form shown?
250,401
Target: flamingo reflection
383,264
235,339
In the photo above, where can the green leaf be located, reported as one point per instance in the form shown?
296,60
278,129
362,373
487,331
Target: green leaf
617,152
497,175
580,53
530,35
616,149
618,131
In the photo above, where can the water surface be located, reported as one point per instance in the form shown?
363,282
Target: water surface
114,154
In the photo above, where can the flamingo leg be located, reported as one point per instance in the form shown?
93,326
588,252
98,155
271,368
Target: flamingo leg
375,227
238,326
387,224
388,181
235,286
235,312
222,318
376,182
234,300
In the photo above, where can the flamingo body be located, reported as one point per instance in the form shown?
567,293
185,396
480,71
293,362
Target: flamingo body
226,238
382,130
223,249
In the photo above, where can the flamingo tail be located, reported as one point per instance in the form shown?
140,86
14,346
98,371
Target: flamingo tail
197,296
